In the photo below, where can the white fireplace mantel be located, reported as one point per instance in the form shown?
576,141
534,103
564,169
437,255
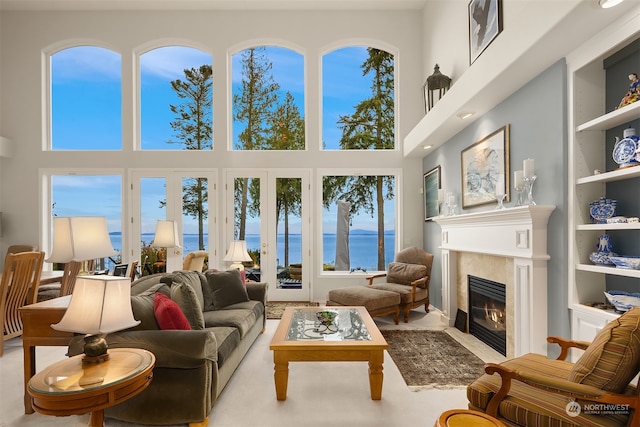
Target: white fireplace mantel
519,233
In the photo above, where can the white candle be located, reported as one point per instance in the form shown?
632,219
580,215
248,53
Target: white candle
517,179
527,165
500,186
440,196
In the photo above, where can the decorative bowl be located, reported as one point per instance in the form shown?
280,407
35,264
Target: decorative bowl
628,262
623,301
617,220
600,258
326,317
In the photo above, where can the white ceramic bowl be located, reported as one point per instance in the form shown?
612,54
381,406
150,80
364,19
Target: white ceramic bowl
623,301
628,262
617,220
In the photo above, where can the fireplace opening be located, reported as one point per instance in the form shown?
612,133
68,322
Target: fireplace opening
487,312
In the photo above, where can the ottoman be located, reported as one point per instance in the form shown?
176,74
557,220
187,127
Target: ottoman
378,302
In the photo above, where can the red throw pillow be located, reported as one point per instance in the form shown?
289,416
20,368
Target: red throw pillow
168,313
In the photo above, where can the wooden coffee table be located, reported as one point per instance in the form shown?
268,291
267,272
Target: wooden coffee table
68,388
352,337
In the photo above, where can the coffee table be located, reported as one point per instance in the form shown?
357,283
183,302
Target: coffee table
351,337
69,388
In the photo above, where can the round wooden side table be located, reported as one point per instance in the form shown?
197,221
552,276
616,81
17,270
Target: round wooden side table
467,418
68,388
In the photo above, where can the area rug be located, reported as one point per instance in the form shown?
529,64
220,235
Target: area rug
276,308
432,359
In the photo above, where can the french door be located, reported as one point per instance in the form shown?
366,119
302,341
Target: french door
269,209
182,196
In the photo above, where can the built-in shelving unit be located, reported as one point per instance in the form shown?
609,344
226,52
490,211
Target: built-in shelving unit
588,123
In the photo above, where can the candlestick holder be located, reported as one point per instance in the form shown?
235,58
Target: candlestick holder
519,191
528,188
500,199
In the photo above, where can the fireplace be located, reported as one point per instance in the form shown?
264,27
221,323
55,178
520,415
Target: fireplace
487,312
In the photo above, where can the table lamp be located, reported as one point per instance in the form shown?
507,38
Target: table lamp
166,237
237,253
80,238
99,305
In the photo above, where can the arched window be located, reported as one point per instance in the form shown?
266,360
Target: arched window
176,94
358,110
86,99
268,99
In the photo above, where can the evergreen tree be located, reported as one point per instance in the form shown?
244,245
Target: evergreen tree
371,126
253,107
193,128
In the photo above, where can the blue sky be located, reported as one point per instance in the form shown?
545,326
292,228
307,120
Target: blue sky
86,104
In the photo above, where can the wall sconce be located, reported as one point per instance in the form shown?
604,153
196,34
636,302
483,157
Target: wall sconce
437,82
237,254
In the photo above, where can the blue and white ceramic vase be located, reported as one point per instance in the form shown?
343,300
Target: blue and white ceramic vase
602,209
603,252
625,150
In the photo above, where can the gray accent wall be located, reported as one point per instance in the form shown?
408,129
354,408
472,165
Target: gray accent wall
537,115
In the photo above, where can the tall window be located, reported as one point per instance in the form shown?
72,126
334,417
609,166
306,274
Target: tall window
86,99
359,222
358,99
91,195
176,92
268,99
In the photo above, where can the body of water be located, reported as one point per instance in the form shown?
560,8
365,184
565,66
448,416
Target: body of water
362,247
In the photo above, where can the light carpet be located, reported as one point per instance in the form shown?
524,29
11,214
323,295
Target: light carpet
432,359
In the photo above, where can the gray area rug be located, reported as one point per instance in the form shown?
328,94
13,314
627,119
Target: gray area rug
276,308
432,359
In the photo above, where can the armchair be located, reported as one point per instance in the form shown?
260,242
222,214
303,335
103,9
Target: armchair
409,276
597,390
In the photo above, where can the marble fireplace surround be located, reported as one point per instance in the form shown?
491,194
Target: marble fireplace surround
508,246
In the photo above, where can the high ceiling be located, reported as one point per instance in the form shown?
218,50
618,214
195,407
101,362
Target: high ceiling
53,5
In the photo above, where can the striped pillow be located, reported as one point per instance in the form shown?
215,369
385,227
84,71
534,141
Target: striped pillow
612,360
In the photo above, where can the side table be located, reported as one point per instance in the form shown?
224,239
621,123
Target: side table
467,418
67,388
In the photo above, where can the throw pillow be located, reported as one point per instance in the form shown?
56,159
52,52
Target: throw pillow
191,278
226,288
612,360
142,306
404,274
168,313
184,295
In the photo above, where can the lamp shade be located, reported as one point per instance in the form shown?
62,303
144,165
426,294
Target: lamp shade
80,238
99,305
166,235
237,252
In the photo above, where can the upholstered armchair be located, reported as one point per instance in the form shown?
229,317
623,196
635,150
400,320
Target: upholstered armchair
597,390
194,261
408,275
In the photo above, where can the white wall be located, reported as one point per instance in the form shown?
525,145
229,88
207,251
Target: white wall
24,35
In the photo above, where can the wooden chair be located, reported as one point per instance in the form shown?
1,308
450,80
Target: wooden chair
65,286
409,275
597,390
194,261
19,287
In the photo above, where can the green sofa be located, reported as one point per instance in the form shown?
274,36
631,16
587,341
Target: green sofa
192,366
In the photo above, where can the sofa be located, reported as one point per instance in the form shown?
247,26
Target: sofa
199,326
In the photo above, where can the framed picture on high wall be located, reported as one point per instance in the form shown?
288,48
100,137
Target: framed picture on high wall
431,181
485,169
485,23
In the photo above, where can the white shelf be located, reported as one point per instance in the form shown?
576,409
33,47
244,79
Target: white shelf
612,119
615,175
620,226
608,314
608,270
